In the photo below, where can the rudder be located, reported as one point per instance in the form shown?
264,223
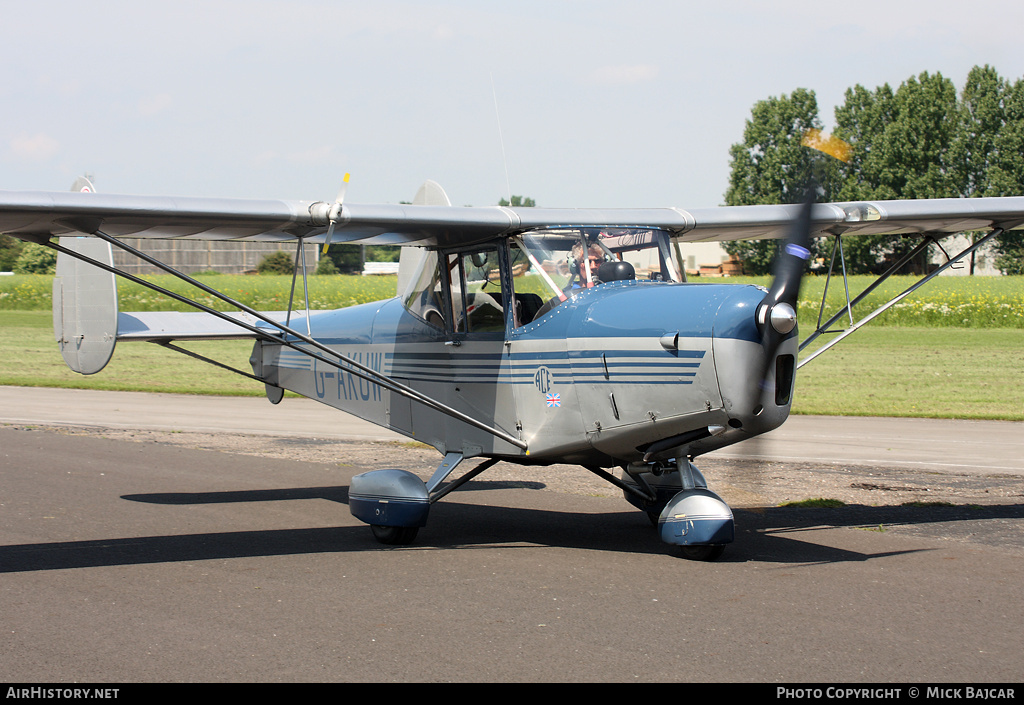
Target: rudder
85,301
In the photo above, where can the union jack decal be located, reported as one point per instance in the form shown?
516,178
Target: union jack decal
554,399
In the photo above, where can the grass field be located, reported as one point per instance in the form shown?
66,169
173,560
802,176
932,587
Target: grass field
33,292
920,360
885,371
960,373
961,302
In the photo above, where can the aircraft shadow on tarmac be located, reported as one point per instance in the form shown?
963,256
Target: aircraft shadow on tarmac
771,535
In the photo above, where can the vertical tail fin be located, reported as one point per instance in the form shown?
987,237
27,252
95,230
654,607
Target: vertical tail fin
85,301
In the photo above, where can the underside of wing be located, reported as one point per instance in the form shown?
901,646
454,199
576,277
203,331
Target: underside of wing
40,215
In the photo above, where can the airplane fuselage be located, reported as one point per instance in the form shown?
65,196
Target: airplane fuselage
609,372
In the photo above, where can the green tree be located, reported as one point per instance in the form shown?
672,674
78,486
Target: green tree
861,121
326,266
919,141
10,248
279,262
518,202
985,157
347,258
901,148
35,259
975,151
991,150
771,166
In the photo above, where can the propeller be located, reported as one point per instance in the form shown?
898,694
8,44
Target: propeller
335,213
776,314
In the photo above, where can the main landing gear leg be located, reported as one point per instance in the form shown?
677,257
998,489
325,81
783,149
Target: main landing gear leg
686,513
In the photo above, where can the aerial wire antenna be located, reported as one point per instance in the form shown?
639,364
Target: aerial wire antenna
501,139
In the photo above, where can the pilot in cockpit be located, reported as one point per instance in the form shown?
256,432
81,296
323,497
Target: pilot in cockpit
584,274
600,265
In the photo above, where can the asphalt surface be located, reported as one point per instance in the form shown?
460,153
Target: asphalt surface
147,562
984,447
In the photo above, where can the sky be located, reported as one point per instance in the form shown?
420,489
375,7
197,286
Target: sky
575,103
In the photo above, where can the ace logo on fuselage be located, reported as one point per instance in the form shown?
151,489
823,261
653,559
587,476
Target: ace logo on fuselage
543,380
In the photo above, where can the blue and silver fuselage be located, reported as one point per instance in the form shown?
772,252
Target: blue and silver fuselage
604,376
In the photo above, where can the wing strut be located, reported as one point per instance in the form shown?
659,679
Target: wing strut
335,359
202,358
300,257
848,309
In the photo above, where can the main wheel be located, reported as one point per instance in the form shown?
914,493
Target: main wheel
703,553
394,535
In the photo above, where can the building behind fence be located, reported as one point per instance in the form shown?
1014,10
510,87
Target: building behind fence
220,256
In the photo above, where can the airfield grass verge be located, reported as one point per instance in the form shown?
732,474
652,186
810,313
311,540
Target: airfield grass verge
961,302
25,292
958,302
919,372
29,357
950,351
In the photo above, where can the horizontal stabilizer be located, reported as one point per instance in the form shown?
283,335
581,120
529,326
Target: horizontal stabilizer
87,323
178,325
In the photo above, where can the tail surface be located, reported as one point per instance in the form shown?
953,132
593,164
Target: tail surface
85,301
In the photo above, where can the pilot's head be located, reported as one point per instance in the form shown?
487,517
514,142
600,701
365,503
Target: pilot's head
595,258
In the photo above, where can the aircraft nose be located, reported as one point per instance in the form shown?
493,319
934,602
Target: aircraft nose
756,380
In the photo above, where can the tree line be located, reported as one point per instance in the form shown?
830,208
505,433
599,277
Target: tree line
922,140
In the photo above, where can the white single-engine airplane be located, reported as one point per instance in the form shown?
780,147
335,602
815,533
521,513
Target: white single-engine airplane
525,335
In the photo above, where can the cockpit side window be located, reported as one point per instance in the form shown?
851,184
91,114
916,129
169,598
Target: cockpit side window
477,292
423,295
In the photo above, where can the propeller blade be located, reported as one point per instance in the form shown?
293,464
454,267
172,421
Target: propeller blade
335,213
776,314
327,240
341,191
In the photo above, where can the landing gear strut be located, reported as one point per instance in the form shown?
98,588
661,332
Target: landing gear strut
676,499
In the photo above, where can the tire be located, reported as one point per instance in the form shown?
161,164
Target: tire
703,553
394,535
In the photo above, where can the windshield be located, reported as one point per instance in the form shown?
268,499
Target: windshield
556,262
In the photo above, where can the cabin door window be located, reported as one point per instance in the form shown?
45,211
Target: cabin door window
478,299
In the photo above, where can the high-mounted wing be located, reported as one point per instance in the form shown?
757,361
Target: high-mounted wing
945,215
32,214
